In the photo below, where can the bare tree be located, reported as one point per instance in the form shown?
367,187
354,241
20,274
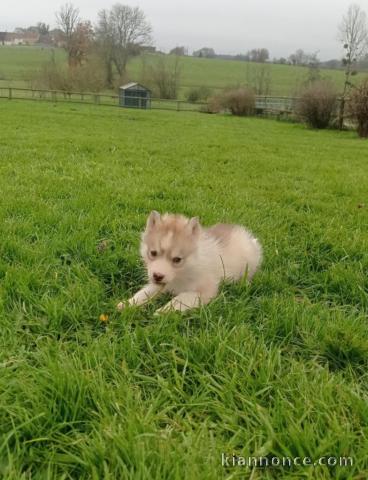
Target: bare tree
258,77
165,76
43,28
67,19
314,72
105,44
260,55
121,31
353,34
299,57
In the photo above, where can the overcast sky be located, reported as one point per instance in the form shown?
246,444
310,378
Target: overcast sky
231,26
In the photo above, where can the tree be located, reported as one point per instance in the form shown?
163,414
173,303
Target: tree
165,76
259,55
42,28
67,18
280,61
299,57
180,51
121,31
105,44
80,43
314,72
258,78
205,52
353,34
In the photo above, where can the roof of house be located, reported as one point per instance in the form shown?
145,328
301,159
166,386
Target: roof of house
133,84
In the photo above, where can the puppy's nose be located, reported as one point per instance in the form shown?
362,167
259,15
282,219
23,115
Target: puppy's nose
158,277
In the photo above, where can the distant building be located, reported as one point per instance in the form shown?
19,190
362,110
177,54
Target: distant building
8,38
12,38
30,38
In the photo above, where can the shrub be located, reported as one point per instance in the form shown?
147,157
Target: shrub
317,104
164,77
358,107
213,105
197,94
89,77
240,101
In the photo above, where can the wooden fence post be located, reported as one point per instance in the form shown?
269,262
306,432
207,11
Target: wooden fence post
10,96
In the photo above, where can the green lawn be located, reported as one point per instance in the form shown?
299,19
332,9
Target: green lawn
277,368
19,64
217,74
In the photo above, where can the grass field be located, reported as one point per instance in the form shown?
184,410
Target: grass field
218,74
19,64
277,368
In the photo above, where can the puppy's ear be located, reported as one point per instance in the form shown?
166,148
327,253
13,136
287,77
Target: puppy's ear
194,225
153,219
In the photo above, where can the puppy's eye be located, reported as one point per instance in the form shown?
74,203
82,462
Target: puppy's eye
177,260
153,253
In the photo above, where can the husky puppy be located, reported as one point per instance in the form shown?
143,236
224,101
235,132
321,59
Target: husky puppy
189,261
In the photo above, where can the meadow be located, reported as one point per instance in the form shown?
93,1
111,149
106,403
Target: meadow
277,368
18,65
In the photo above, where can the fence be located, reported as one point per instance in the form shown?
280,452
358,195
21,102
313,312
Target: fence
264,104
269,104
56,96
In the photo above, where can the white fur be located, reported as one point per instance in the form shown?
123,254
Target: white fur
208,256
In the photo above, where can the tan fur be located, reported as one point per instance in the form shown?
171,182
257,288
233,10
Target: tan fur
207,256
222,232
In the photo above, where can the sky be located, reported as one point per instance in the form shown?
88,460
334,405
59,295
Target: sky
231,26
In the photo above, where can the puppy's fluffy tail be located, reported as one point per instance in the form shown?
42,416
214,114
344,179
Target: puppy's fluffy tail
258,256
246,250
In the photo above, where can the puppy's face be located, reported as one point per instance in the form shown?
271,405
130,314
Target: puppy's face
168,246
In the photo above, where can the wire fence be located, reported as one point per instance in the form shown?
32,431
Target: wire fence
264,104
56,96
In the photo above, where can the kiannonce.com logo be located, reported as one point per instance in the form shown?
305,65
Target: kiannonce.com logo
234,460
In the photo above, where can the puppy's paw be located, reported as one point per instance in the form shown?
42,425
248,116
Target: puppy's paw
160,312
169,307
120,306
